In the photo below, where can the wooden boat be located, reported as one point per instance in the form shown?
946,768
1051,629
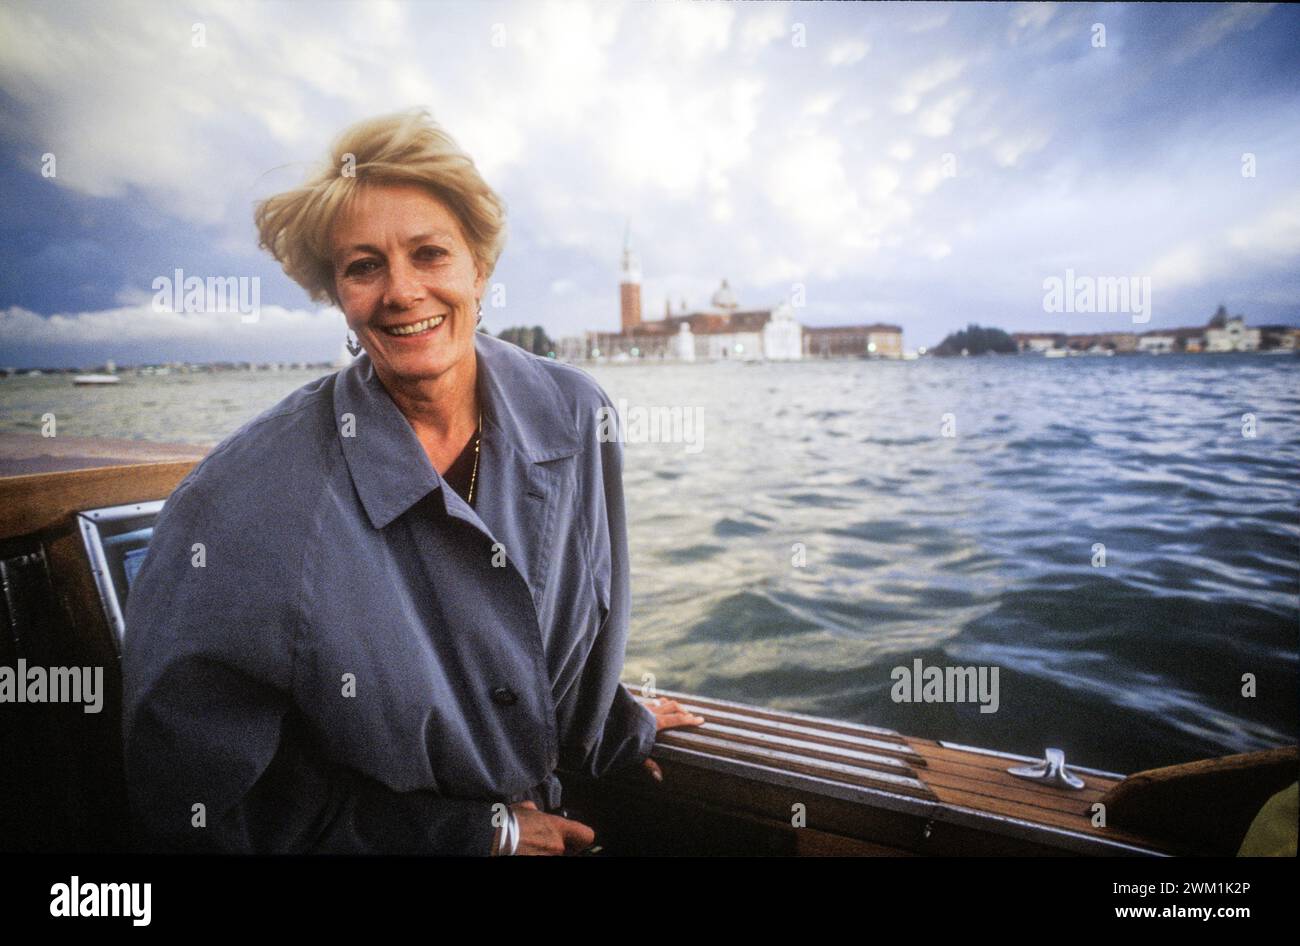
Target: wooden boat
751,780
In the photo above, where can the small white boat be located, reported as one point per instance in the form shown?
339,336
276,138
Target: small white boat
96,379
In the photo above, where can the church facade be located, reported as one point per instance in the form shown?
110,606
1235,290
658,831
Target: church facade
721,332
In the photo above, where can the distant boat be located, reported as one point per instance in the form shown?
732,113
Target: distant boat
1055,353
96,379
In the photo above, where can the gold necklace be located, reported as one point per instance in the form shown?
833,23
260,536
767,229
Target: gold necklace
474,476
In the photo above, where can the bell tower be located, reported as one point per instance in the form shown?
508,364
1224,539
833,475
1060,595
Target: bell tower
629,286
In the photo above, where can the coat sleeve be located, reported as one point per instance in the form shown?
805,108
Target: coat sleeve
627,734
209,719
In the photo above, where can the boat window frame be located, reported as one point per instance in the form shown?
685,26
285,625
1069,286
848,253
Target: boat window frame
91,524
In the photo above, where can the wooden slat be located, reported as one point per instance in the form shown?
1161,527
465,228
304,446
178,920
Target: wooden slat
758,712
44,501
970,771
805,732
901,782
974,780
930,749
1027,794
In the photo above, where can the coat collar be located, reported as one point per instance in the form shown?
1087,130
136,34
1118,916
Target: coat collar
525,421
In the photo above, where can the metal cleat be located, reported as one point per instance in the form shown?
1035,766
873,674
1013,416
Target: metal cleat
1051,771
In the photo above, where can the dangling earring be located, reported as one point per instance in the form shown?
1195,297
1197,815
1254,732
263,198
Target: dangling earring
480,314
354,346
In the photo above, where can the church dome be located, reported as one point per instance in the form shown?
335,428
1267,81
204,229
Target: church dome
724,298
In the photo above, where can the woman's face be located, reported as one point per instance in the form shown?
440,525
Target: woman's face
406,281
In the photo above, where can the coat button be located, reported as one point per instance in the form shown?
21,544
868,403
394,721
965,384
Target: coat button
504,696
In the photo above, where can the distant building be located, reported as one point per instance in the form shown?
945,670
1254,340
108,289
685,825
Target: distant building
1157,343
571,349
723,331
1190,340
1223,333
854,341
629,287
1038,342
1274,337
1231,335
1102,342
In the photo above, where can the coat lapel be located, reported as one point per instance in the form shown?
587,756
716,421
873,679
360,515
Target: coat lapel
526,425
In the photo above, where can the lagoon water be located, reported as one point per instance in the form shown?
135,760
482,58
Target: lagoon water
1104,531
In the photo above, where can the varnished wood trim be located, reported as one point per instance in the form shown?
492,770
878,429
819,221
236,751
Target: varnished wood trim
804,733
48,500
898,781
830,725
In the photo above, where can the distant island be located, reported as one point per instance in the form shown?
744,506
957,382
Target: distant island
973,340
1223,333
533,339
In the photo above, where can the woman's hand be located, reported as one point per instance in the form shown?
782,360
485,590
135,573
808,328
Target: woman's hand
540,833
668,714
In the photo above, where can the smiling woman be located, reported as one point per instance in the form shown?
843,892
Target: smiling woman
401,232
410,288
376,654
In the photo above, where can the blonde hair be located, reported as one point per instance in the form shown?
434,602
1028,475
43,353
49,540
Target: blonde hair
404,147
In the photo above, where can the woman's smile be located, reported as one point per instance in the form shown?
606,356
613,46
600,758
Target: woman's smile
410,331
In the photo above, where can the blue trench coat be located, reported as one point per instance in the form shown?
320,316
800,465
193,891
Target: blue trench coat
357,661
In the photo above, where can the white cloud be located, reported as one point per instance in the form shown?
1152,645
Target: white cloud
917,84
1222,23
1008,150
881,181
140,324
690,31
762,26
1029,17
933,20
1270,240
901,150
821,103
847,52
938,119
928,178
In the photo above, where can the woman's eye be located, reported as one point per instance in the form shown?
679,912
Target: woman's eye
430,252
362,267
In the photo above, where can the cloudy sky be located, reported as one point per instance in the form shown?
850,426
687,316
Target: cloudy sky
926,165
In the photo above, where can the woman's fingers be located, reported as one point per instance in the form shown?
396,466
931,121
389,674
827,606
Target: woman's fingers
682,718
670,713
652,767
547,834
577,836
